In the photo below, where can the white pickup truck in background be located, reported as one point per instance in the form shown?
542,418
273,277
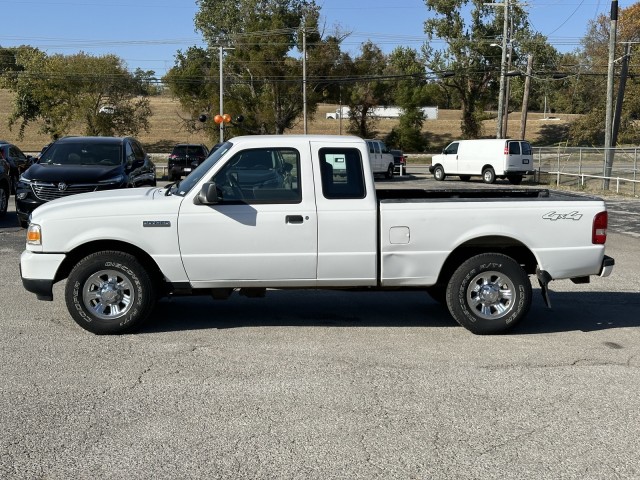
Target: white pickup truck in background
267,212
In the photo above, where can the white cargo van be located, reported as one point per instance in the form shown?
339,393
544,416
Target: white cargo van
380,158
491,159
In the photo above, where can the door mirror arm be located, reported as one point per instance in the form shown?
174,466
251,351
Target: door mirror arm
208,195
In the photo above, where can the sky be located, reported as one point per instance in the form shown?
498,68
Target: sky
147,34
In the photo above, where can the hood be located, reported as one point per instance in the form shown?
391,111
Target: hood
72,173
109,203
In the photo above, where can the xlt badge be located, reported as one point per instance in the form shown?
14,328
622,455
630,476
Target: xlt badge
156,223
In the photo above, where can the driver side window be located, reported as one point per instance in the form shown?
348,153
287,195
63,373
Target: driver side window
262,175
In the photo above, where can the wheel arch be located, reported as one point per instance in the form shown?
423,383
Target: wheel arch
74,256
488,244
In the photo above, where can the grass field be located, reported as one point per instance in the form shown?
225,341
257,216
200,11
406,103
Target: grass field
165,129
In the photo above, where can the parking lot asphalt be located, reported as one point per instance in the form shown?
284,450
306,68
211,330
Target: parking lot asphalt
320,384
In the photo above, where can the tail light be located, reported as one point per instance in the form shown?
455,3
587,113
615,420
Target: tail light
506,149
599,232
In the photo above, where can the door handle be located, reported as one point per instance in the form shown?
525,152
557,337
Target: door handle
294,219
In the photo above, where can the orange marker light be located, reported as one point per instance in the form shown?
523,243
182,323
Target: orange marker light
34,236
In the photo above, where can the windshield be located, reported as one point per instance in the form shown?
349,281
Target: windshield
102,154
183,187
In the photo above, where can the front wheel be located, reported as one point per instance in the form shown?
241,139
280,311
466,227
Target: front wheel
109,292
438,173
489,293
488,175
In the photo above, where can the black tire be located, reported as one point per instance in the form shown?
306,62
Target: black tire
489,293
514,179
4,200
109,292
390,171
465,178
438,173
489,175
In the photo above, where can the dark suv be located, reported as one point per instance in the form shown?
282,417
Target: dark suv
83,164
184,158
18,161
5,186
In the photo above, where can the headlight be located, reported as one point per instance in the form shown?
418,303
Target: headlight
34,234
118,179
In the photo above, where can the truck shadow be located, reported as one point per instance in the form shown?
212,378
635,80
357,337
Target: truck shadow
571,311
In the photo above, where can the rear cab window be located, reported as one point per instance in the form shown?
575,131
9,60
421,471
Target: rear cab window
341,173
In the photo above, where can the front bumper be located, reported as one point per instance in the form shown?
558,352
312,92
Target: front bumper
38,272
25,206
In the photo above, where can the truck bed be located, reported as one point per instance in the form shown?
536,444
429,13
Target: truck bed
488,194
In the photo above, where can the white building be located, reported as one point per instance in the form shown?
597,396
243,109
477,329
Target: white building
430,113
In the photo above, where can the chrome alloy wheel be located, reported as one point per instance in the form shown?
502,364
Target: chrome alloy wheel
108,294
491,295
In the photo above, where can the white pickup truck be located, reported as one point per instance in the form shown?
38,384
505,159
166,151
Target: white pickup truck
267,212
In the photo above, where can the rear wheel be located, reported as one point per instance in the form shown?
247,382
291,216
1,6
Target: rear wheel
109,292
390,171
488,175
514,179
438,173
489,293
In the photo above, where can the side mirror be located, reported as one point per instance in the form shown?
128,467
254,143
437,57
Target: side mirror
287,167
208,194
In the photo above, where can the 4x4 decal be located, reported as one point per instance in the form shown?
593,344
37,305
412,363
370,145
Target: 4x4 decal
553,216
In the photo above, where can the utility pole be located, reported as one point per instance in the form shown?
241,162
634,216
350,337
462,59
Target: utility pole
525,97
608,146
304,72
221,94
624,73
507,89
503,67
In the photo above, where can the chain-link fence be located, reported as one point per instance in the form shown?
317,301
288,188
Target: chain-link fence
584,169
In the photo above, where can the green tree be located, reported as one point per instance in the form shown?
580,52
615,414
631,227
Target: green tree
65,93
193,81
369,89
409,92
263,78
590,83
472,64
